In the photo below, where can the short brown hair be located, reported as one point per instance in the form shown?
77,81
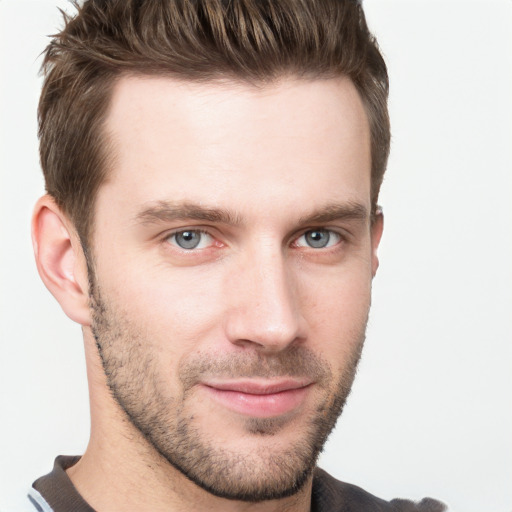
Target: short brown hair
255,41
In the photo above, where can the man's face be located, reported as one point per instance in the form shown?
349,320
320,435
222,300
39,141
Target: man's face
233,258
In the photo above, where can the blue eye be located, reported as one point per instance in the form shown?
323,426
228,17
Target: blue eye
191,239
318,239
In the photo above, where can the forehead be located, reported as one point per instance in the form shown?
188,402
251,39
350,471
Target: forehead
231,143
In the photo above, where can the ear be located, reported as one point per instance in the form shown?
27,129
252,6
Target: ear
376,234
60,259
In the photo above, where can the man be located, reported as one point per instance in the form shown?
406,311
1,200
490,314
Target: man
211,221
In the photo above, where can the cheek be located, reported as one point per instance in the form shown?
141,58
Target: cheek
336,310
175,307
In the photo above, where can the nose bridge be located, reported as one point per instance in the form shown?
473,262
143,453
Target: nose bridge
266,311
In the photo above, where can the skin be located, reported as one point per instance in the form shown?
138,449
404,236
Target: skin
252,300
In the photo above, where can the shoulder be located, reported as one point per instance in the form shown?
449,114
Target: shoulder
28,501
331,495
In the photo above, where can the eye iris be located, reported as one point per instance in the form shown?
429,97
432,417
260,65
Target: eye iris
317,239
188,239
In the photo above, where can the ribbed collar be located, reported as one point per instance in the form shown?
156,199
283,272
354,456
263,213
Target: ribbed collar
58,490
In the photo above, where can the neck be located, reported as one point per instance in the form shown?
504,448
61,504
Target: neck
113,475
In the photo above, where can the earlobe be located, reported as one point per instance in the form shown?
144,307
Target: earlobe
60,260
376,234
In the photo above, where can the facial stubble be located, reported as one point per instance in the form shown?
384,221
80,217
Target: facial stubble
168,426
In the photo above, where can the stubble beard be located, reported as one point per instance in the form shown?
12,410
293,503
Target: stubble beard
168,426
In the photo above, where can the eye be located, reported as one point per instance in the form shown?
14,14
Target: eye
190,239
318,239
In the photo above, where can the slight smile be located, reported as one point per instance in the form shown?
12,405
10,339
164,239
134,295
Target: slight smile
260,398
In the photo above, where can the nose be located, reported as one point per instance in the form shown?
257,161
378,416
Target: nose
264,310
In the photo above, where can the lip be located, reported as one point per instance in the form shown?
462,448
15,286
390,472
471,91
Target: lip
260,398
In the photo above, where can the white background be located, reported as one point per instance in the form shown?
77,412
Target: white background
431,410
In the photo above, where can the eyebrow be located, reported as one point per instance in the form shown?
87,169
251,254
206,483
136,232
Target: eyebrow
166,211
345,211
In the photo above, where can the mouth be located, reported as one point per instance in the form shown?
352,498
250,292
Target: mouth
260,398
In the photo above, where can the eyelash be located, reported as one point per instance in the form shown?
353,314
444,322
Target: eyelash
202,232
169,238
330,234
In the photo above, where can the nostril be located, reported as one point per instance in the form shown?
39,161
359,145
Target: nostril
266,330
